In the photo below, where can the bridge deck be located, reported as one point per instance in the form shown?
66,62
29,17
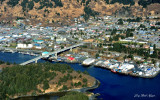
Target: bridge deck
61,50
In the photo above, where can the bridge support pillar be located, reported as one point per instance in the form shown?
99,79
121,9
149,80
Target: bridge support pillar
56,55
36,61
71,49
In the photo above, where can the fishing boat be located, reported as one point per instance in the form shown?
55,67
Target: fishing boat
113,70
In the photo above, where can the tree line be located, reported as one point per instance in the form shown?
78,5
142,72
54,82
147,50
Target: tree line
19,80
74,96
145,3
118,47
29,4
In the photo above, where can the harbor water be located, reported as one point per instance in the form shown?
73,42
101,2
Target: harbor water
113,86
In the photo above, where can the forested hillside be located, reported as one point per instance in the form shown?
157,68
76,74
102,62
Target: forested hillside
145,3
40,78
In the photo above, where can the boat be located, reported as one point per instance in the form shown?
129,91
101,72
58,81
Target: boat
32,54
8,51
22,52
113,70
98,63
88,62
26,53
59,60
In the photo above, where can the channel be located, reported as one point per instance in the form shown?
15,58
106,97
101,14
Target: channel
113,86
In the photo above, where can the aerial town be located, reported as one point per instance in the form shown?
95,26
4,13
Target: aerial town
123,45
79,49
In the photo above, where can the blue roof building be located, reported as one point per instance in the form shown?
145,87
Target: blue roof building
45,53
38,41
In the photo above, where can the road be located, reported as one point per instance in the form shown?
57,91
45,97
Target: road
96,84
55,52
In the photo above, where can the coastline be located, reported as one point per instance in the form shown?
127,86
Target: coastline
103,67
83,90
122,73
99,71
135,75
130,74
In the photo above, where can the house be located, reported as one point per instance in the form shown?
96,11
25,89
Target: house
127,39
71,59
151,50
141,41
89,40
60,39
57,47
38,46
81,28
146,46
137,58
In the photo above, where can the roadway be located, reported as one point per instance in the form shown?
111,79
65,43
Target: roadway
55,52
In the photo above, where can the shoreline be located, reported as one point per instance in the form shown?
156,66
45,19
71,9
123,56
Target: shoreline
82,90
108,72
130,74
122,73
103,67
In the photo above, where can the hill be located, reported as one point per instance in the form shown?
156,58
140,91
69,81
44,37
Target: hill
64,11
41,78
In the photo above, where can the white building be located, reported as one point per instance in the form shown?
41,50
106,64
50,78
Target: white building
60,39
24,46
126,67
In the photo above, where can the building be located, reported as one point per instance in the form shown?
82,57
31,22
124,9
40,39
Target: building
45,53
71,59
24,46
38,41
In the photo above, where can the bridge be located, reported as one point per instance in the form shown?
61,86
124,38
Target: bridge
51,53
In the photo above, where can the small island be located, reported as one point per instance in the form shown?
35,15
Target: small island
41,78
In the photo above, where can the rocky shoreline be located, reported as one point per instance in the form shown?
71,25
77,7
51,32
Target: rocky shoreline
83,90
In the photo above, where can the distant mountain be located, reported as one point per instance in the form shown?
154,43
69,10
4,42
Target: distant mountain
53,11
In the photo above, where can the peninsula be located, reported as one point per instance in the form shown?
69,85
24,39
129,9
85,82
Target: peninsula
41,78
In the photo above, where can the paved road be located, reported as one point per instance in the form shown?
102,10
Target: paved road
55,52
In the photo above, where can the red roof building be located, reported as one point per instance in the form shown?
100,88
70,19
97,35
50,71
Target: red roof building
71,58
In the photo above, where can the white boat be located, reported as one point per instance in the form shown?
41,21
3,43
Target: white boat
98,63
32,54
26,53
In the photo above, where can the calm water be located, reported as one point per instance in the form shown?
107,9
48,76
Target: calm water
113,86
